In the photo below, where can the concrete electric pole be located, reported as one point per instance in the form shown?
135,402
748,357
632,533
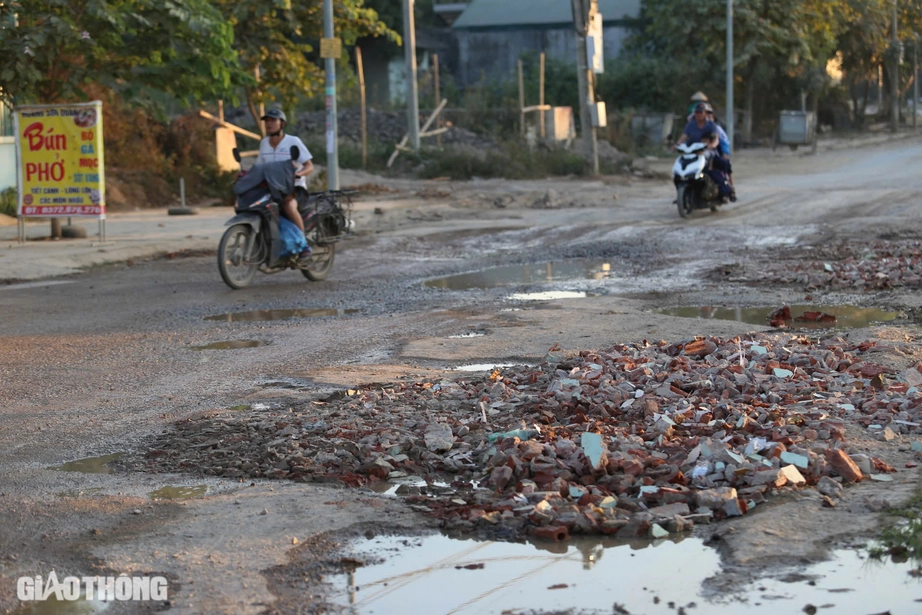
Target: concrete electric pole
409,48
729,112
583,12
332,143
895,78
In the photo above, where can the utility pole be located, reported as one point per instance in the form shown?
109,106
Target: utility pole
583,10
330,69
895,78
409,48
729,114
915,80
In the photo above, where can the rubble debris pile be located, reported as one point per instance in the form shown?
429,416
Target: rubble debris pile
633,440
880,265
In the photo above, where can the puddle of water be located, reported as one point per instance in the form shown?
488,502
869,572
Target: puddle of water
178,493
481,367
846,315
549,295
257,315
232,345
462,336
52,606
90,465
525,274
441,575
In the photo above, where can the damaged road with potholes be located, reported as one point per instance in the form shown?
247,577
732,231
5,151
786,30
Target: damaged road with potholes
241,443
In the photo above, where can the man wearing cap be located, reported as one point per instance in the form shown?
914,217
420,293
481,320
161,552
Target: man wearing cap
698,126
277,146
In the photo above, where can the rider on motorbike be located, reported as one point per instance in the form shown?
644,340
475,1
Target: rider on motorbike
698,126
277,146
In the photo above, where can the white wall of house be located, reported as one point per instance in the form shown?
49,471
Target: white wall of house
7,150
7,163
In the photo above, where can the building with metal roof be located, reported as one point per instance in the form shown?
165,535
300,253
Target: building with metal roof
493,34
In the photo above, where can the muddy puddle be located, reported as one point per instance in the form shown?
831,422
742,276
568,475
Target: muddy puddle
802,316
525,274
178,493
549,295
262,315
462,336
481,367
437,574
52,606
90,465
232,345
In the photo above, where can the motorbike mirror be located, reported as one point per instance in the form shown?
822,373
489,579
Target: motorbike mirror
295,152
236,154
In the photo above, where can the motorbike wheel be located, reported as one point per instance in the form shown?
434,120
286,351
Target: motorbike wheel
685,198
237,270
320,263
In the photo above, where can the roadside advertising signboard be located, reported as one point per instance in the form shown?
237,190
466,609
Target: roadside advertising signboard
60,152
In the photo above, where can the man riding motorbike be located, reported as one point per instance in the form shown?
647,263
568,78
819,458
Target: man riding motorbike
698,126
277,146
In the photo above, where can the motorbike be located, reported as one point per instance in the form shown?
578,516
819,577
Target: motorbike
694,187
253,240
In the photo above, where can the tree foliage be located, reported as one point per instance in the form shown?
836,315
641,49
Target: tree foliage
280,38
51,49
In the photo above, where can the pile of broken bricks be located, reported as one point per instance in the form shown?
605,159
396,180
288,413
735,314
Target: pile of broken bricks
634,440
880,265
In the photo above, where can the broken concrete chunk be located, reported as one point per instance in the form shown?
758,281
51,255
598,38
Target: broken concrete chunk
772,478
829,487
670,510
793,475
715,499
593,449
438,438
801,461
656,531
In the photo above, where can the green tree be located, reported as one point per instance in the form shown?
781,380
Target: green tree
775,41
50,50
279,36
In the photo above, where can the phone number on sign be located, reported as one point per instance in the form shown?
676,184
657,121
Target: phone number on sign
88,210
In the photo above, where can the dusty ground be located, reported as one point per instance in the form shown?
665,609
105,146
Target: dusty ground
102,364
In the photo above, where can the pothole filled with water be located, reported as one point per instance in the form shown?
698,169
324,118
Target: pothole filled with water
232,345
548,295
462,336
525,274
90,465
178,493
801,316
437,574
260,315
52,606
481,367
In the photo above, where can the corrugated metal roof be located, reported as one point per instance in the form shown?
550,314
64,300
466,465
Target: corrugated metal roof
523,13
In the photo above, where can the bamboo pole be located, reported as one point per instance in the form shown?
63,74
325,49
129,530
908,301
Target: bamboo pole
438,95
262,106
236,129
521,98
361,70
541,97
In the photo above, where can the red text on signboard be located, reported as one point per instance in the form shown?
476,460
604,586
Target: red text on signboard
39,141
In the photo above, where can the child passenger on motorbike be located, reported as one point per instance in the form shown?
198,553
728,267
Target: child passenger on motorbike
718,167
277,146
